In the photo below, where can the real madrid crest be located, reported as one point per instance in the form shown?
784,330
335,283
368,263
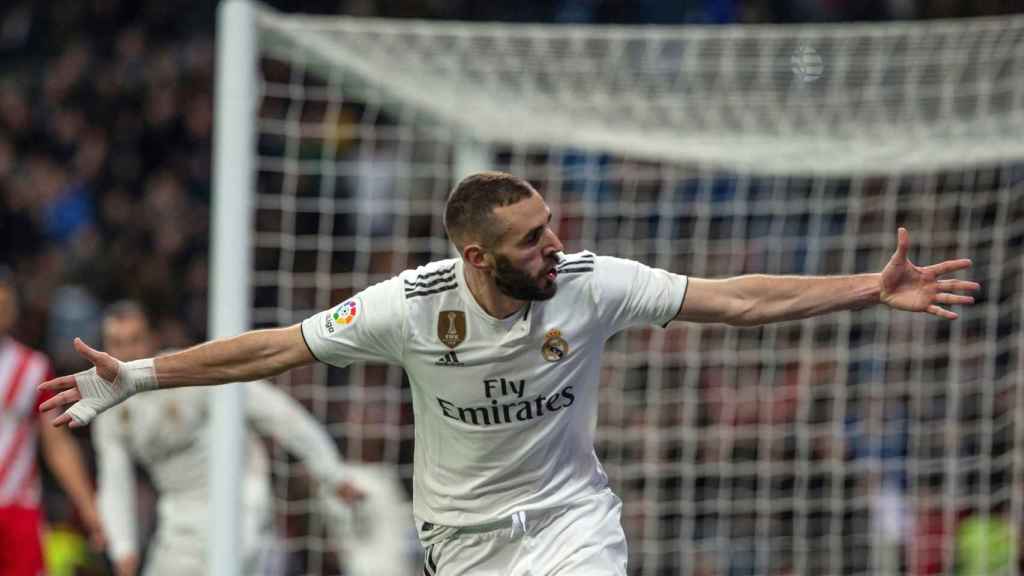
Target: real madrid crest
555,347
451,327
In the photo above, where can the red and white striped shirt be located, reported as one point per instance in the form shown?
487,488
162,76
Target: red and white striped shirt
22,369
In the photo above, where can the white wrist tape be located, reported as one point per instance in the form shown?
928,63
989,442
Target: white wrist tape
139,375
99,394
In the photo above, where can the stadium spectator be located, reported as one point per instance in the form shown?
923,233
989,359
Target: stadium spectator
21,428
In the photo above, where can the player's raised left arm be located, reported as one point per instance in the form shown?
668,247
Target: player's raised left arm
761,299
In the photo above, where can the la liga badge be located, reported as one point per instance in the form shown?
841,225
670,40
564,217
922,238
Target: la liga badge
346,312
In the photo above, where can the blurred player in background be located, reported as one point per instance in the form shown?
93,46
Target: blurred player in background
21,426
503,348
168,436
377,537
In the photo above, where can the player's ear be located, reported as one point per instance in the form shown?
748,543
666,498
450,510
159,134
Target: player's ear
476,256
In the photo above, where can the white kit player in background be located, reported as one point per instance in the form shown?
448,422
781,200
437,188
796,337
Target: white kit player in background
375,537
167,434
502,347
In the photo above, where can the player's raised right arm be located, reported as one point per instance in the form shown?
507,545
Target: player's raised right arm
249,356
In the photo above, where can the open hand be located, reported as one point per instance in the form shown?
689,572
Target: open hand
99,388
919,288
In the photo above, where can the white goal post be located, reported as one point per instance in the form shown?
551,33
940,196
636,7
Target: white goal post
869,442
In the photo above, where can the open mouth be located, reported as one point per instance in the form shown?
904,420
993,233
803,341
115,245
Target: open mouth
552,274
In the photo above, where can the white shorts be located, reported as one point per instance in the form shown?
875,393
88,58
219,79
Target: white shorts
582,538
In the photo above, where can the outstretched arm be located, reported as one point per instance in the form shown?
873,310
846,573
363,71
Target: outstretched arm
249,356
760,299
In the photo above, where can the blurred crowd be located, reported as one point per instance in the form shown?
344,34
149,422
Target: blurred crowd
105,164
105,139
657,11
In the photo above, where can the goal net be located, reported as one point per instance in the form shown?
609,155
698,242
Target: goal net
869,442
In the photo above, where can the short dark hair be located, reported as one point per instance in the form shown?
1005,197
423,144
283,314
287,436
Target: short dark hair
469,212
125,309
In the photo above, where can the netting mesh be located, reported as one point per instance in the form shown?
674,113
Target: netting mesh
766,98
859,443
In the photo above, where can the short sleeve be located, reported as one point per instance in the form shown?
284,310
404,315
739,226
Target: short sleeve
370,326
629,293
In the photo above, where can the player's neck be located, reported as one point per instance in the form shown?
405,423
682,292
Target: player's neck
487,295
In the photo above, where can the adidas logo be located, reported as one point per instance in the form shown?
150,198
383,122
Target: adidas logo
449,359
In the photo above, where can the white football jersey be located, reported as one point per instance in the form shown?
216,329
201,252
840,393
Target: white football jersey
167,432
505,408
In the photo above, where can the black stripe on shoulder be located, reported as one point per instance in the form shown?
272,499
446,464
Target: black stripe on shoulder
421,284
578,257
418,292
447,270
584,259
577,269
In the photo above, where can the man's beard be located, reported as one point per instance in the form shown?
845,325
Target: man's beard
515,283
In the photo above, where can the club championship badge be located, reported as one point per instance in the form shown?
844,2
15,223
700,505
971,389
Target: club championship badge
555,347
451,327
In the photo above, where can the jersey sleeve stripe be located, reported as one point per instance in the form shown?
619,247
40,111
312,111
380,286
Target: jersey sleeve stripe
441,272
575,262
576,269
415,293
580,256
421,284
